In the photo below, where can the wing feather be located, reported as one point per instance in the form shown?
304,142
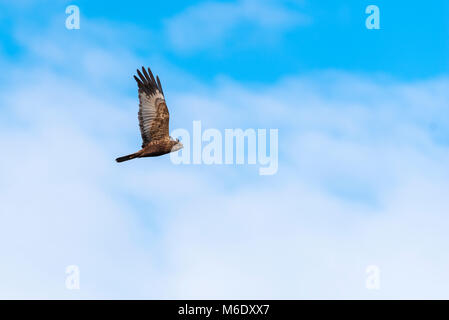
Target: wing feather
159,84
151,75
153,112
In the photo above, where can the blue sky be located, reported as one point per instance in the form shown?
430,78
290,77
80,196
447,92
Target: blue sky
363,150
411,44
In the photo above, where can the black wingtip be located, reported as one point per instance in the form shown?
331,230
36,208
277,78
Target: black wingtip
151,75
147,77
142,78
147,82
159,84
139,83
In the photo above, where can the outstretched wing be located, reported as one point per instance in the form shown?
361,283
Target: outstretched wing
153,113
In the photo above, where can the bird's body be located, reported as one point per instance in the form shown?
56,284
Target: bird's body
153,119
153,149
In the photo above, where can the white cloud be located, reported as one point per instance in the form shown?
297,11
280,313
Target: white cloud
210,24
362,180
293,235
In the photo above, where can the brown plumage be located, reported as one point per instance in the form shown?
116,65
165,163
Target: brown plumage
153,119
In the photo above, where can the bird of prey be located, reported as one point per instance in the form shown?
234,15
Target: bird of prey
153,119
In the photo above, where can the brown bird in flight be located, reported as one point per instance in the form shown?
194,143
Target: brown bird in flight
153,119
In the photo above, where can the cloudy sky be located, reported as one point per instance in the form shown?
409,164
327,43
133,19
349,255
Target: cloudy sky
363,174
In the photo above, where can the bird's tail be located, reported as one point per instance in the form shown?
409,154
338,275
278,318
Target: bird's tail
128,157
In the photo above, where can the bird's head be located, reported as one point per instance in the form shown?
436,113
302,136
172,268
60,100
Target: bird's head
177,146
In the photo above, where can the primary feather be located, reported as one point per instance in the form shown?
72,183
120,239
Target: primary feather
153,112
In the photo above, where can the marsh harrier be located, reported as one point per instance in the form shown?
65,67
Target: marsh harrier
153,119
